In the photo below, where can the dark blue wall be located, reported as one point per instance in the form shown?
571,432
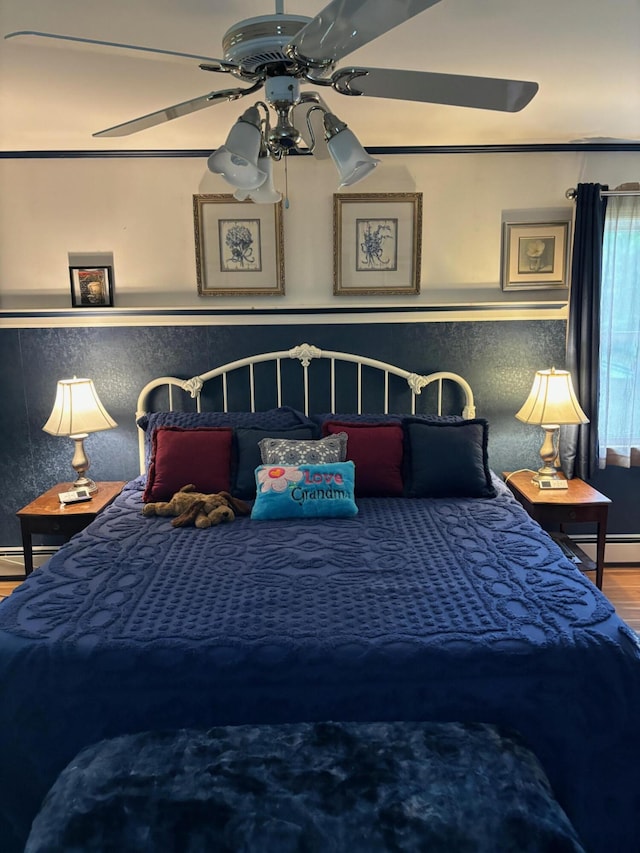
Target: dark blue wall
497,358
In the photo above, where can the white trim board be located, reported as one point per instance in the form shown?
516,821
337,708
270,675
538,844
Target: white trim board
192,317
13,560
620,550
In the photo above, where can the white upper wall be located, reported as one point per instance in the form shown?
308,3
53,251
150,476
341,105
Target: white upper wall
141,211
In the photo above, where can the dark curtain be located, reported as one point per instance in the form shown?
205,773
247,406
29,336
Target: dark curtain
578,448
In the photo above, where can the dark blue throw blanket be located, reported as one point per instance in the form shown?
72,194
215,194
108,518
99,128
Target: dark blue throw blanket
315,787
415,609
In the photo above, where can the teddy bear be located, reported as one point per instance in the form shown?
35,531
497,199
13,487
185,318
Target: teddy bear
202,510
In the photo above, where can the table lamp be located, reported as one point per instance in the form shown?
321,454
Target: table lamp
77,411
551,403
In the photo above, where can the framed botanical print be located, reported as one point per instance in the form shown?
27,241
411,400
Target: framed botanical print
239,246
535,255
377,243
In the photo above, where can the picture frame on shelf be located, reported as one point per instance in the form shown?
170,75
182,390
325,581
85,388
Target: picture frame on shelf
377,243
91,287
239,246
535,255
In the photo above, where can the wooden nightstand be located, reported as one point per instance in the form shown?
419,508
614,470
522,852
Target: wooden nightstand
578,504
46,515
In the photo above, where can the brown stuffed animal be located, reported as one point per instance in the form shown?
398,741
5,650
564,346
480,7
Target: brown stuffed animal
191,507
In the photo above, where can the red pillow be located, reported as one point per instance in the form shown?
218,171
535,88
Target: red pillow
179,456
376,450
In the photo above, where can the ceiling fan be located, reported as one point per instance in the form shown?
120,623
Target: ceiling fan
279,52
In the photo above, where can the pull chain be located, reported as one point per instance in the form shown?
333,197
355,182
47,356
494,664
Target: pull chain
286,183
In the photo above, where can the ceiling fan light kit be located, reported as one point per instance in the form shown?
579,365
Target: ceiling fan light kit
280,51
246,159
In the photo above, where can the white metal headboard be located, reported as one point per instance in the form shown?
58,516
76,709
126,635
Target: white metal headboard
304,353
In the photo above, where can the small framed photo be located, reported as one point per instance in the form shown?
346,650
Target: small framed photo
91,287
377,241
535,255
239,247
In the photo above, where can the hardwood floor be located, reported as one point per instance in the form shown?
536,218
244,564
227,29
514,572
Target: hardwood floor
6,587
621,586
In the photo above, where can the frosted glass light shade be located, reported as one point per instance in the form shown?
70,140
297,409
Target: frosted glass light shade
266,193
77,410
352,161
237,159
552,400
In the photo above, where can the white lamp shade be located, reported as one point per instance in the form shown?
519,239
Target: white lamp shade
552,400
237,159
266,193
352,161
77,410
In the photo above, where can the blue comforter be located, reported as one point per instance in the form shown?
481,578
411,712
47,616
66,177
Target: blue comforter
415,609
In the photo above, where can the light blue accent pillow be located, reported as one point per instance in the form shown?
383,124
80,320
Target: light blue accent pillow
305,491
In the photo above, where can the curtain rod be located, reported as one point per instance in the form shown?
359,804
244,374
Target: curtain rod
572,192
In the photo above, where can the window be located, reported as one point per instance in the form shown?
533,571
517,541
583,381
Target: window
619,401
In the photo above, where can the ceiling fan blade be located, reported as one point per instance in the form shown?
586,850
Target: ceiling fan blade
176,111
483,93
345,25
31,38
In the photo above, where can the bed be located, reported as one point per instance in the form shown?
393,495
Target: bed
436,599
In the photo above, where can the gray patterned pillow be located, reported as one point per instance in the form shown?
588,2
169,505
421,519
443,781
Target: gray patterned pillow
288,451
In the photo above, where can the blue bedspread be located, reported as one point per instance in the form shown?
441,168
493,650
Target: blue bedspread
413,610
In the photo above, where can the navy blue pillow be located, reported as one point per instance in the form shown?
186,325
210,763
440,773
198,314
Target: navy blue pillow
248,458
354,418
447,459
378,418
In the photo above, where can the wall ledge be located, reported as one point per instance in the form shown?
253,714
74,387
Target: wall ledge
51,318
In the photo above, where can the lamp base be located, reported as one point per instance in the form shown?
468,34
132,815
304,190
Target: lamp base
80,463
549,478
86,483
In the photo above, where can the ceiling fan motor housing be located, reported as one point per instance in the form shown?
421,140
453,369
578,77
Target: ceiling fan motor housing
258,42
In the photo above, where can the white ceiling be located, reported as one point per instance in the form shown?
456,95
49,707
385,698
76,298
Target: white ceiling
584,55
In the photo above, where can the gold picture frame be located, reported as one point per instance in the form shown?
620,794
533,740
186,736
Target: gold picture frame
239,246
377,243
535,255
